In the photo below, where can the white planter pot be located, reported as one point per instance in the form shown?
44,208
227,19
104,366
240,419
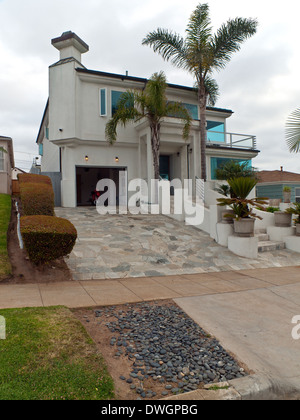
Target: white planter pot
282,219
244,227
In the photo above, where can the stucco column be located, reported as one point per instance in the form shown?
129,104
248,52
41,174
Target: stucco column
150,168
68,183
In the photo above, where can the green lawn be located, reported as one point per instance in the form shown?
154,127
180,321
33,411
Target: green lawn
48,355
5,211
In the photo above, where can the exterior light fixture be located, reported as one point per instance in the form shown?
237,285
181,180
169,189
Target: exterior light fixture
116,159
86,158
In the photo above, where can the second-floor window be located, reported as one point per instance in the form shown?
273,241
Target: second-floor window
103,103
215,132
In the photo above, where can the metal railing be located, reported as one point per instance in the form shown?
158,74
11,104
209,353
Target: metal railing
231,140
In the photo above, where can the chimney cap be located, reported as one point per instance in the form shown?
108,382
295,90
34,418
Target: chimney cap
70,38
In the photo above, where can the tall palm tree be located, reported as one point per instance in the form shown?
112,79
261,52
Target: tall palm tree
201,53
153,105
293,131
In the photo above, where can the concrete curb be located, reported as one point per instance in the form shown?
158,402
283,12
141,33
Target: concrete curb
253,387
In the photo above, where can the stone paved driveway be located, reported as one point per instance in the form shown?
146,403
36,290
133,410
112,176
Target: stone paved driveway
120,246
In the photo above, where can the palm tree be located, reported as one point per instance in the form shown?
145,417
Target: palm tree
293,131
152,104
201,53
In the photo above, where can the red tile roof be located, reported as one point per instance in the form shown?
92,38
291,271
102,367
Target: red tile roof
278,176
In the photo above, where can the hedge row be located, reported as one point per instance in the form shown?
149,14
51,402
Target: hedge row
37,199
46,237
34,178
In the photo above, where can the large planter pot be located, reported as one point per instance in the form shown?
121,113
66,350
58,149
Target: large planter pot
244,227
297,229
287,196
282,219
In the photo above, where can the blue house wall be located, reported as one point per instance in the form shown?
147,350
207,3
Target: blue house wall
276,191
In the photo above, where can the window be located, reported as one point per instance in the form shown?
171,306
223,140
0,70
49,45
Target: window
193,110
216,163
215,131
115,97
47,133
103,104
41,149
1,161
297,195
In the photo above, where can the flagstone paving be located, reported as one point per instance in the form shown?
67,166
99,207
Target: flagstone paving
121,246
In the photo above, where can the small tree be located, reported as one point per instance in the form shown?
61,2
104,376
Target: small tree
153,105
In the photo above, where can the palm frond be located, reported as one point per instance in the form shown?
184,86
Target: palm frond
169,45
293,131
199,28
126,111
229,38
155,94
178,110
212,89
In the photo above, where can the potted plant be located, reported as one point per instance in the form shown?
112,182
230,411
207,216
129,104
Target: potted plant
227,215
295,211
282,218
242,206
287,192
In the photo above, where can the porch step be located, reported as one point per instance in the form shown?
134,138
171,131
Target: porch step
262,237
264,243
266,246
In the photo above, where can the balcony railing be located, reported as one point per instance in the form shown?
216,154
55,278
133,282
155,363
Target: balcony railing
231,140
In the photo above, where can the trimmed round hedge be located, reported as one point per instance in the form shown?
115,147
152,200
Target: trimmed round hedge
47,238
37,199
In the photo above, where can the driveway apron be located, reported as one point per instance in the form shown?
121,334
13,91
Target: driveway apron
122,246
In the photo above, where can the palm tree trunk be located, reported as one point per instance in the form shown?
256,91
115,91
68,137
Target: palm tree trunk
155,143
202,98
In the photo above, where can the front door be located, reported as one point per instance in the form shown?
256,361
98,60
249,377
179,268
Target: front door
164,167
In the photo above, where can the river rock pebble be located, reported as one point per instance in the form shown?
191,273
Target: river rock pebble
164,344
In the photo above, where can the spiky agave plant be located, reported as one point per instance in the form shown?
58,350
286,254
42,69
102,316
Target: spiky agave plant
241,205
295,211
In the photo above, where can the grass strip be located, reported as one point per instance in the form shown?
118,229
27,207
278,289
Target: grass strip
48,355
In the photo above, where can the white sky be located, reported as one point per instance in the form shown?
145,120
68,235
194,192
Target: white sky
261,83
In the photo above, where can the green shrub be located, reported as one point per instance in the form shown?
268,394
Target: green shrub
34,178
271,209
37,199
47,238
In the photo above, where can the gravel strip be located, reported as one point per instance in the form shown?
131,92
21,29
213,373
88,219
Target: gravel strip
167,346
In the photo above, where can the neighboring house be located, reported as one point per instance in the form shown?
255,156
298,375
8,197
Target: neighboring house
6,164
72,142
15,172
272,183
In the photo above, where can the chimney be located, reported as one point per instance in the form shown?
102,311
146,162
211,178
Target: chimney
281,168
70,46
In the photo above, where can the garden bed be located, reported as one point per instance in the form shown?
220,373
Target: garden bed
154,350
23,270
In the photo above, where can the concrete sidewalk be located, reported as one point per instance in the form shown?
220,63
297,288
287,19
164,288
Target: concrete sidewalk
249,311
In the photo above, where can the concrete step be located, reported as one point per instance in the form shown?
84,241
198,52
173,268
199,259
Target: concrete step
262,237
259,231
266,246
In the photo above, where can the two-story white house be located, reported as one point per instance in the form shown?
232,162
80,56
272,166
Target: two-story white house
72,142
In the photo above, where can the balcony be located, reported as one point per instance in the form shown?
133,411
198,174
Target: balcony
231,140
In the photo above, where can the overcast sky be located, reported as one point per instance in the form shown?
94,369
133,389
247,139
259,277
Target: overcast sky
261,83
